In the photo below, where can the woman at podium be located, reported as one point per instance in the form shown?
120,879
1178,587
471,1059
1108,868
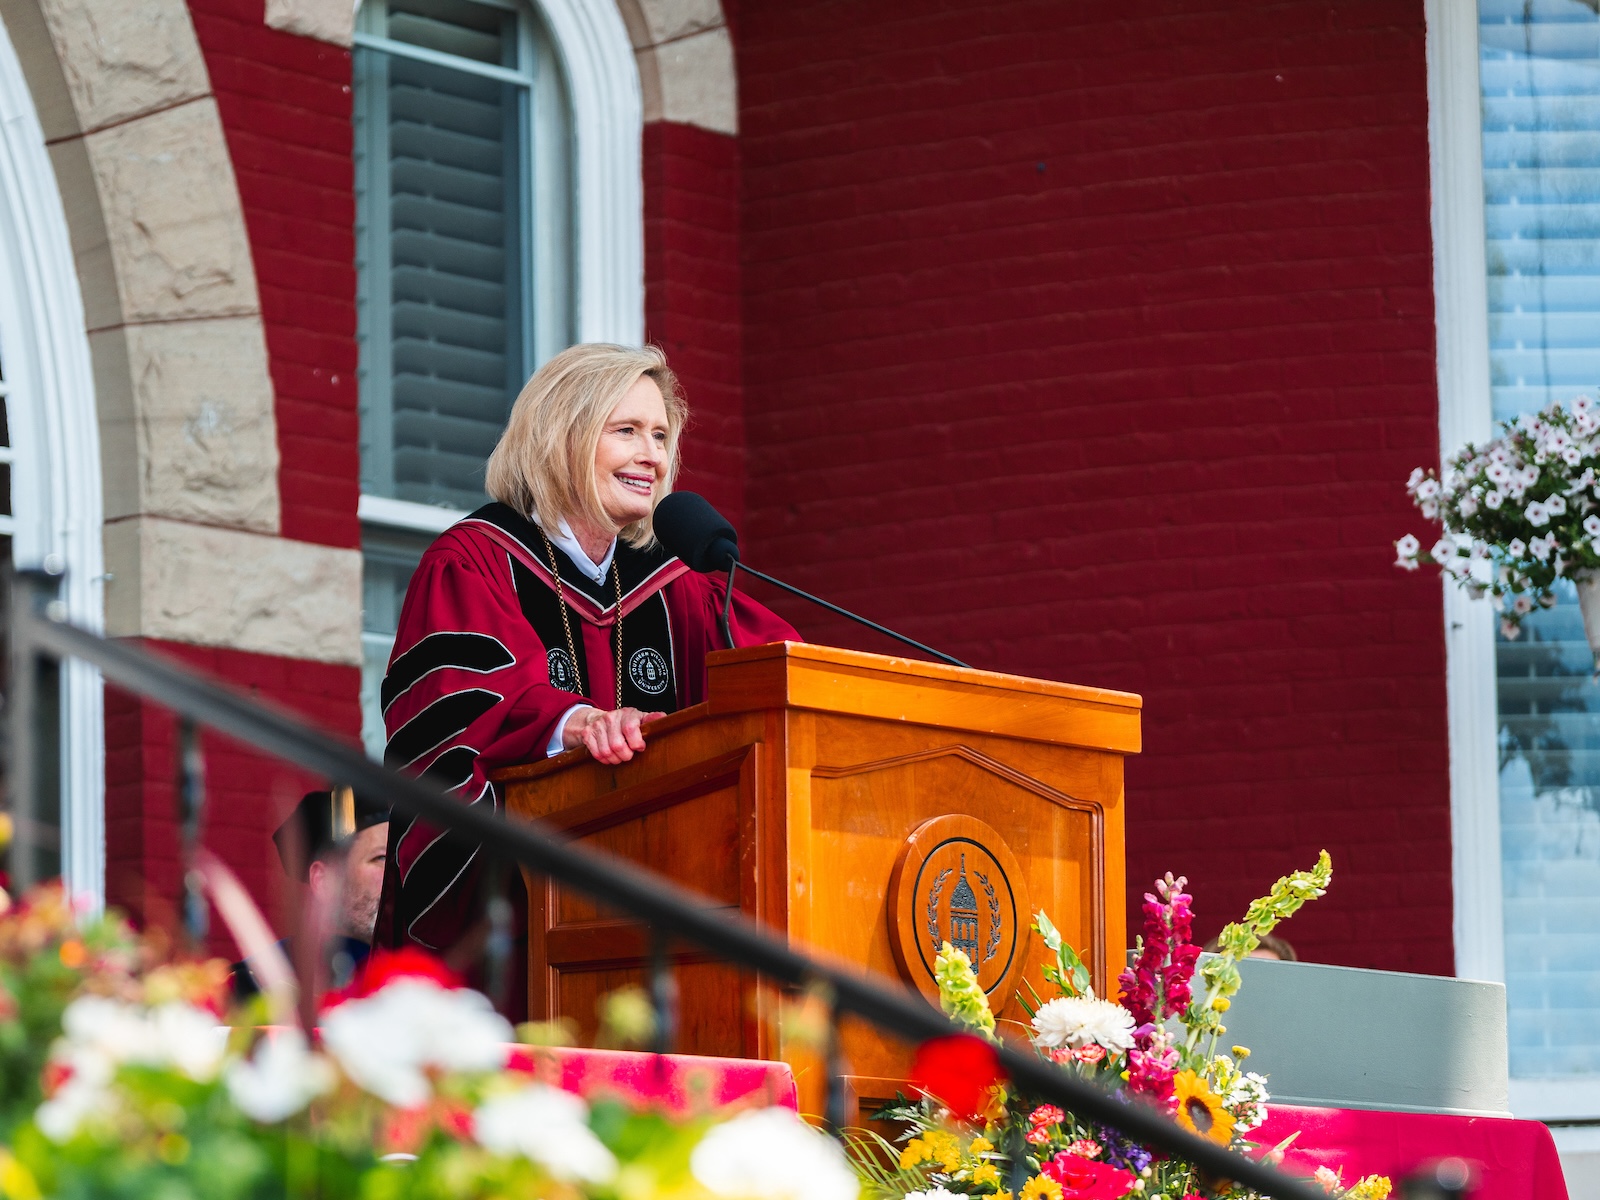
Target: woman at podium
547,620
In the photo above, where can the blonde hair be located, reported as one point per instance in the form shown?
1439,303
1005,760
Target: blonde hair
543,465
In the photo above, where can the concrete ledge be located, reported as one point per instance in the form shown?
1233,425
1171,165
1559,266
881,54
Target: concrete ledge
1338,1037
224,587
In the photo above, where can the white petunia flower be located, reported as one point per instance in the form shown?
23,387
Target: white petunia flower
1468,505
546,1126
280,1079
771,1154
1591,525
1492,500
385,1042
1555,505
1537,514
1078,1021
1572,456
1516,547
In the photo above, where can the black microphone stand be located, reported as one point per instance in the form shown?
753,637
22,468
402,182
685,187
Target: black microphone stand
734,566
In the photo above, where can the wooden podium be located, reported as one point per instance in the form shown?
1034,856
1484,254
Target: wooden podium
868,807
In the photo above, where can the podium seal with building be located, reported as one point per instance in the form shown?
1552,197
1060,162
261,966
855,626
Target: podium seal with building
957,881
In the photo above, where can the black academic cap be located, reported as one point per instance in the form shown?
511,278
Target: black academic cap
319,823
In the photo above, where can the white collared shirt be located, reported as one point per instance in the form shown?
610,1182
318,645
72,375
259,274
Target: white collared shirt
563,540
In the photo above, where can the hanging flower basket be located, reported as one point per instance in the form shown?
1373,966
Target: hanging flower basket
1519,513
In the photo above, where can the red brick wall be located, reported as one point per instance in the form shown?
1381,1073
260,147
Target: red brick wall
691,231
285,104
1094,342
247,794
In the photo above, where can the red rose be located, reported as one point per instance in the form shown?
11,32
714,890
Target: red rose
957,1071
1085,1179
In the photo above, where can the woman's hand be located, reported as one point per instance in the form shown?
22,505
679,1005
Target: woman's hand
611,737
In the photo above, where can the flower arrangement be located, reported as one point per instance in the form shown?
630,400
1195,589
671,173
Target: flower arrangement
969,1135
1518,513
122,1076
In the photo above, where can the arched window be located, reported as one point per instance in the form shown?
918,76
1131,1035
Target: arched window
483,131
50,497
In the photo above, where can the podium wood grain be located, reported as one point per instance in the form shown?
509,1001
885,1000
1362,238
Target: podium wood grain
790,795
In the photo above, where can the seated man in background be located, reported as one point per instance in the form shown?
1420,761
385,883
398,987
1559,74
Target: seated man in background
335,843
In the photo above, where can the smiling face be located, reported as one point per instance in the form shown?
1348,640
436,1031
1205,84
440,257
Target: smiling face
631,459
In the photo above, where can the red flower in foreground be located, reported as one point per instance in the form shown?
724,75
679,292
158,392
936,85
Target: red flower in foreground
384,966
1085,1179
957,1071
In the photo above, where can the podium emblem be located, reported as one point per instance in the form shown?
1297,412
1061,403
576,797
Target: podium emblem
957,881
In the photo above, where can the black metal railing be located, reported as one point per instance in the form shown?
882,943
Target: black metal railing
40,634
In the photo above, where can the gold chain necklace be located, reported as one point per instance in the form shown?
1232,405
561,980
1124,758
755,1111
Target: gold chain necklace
566,624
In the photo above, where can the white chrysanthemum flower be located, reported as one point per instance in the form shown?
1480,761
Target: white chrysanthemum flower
771,1154
386,1041
280,1080
1078,1021
549,1127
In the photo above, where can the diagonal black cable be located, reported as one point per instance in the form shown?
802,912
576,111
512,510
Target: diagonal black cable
652,899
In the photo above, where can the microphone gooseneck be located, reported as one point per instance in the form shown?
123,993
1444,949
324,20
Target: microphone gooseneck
691,530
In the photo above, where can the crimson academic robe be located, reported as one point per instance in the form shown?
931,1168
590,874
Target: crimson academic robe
482,671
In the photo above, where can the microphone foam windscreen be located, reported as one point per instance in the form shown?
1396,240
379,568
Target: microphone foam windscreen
695,532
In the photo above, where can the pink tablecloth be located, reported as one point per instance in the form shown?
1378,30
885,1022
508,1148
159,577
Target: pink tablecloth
682,1083
1516,1160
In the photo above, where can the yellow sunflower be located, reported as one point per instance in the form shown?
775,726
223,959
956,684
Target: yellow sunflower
1041,1186
1200,1109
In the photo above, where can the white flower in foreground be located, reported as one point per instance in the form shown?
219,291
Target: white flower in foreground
86,1093
1591,525
1537,513
1492,500
387,1041
1078,1021
1555,505
1572,456
933,1193
546,1126
771,1154
1516,547
280,1079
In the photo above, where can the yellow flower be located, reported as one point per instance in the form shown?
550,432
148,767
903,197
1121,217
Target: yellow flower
980,1146
1200,1109
988,1173
934,1146
1373,1187
16,1181
1041,1186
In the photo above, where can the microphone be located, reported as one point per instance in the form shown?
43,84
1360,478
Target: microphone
695,532
705,540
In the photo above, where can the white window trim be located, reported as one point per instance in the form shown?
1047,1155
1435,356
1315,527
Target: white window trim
56,480
1461,308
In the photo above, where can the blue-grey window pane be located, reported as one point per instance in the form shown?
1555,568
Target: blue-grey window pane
480,32
1540,76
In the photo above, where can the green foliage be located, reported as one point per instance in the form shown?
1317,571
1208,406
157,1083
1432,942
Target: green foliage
959,994
1068,972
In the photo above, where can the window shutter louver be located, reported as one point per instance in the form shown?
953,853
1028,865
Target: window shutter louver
446,199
